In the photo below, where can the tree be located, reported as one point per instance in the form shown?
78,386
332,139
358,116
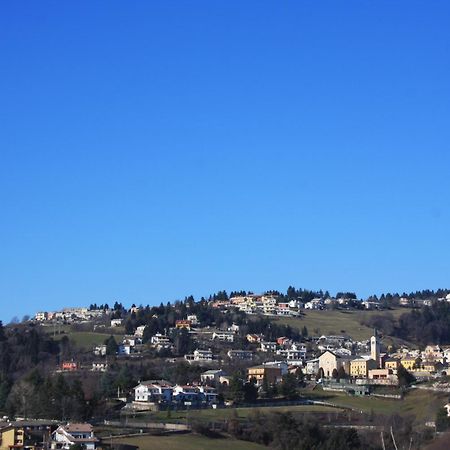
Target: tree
250,392
341,373
237,388
182,341
266,388
111,346
442,420
405,378
129,327
288,386
334,374
2,332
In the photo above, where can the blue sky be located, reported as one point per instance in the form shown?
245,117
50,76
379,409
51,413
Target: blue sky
152,150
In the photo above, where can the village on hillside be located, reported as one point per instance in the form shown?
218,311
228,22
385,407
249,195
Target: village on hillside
232,352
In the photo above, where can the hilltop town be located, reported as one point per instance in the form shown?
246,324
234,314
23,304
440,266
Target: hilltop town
220,354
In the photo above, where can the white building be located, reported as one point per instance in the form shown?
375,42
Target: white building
200,356
283,365
193,319
223,336
243,355
41,316
312,366
74,433
100,350
99,366
153,391
116,323
293,357
211,376
140,331
160,339
268,346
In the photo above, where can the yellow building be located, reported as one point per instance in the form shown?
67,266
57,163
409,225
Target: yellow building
411,363
271,374
391,363
11,437
430,366
360,367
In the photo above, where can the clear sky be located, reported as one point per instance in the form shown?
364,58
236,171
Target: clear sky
152,150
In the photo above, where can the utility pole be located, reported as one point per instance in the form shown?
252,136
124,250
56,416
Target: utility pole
382,440
393,439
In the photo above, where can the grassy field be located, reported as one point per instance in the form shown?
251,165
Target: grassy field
87,339
418,403
224,414
187,442
337,322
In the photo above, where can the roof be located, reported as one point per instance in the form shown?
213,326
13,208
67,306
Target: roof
264,367
78,428
212,372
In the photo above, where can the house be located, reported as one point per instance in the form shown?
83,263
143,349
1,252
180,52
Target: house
74,433
211,376
186,394
223,336
12,437
315,303
193,319
259,373
431,366
154,391
140,331
135,309
25,434
116,323
411,362
404,302
446,353
360,367
100,350
242,355
268,346
293,357
124,349
69,366
99,367
194,395
160,340
392,364
283,365
447,407
207,394
283,341
433,353
186,324
254,338
41,316
312,366
200,356
132,341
